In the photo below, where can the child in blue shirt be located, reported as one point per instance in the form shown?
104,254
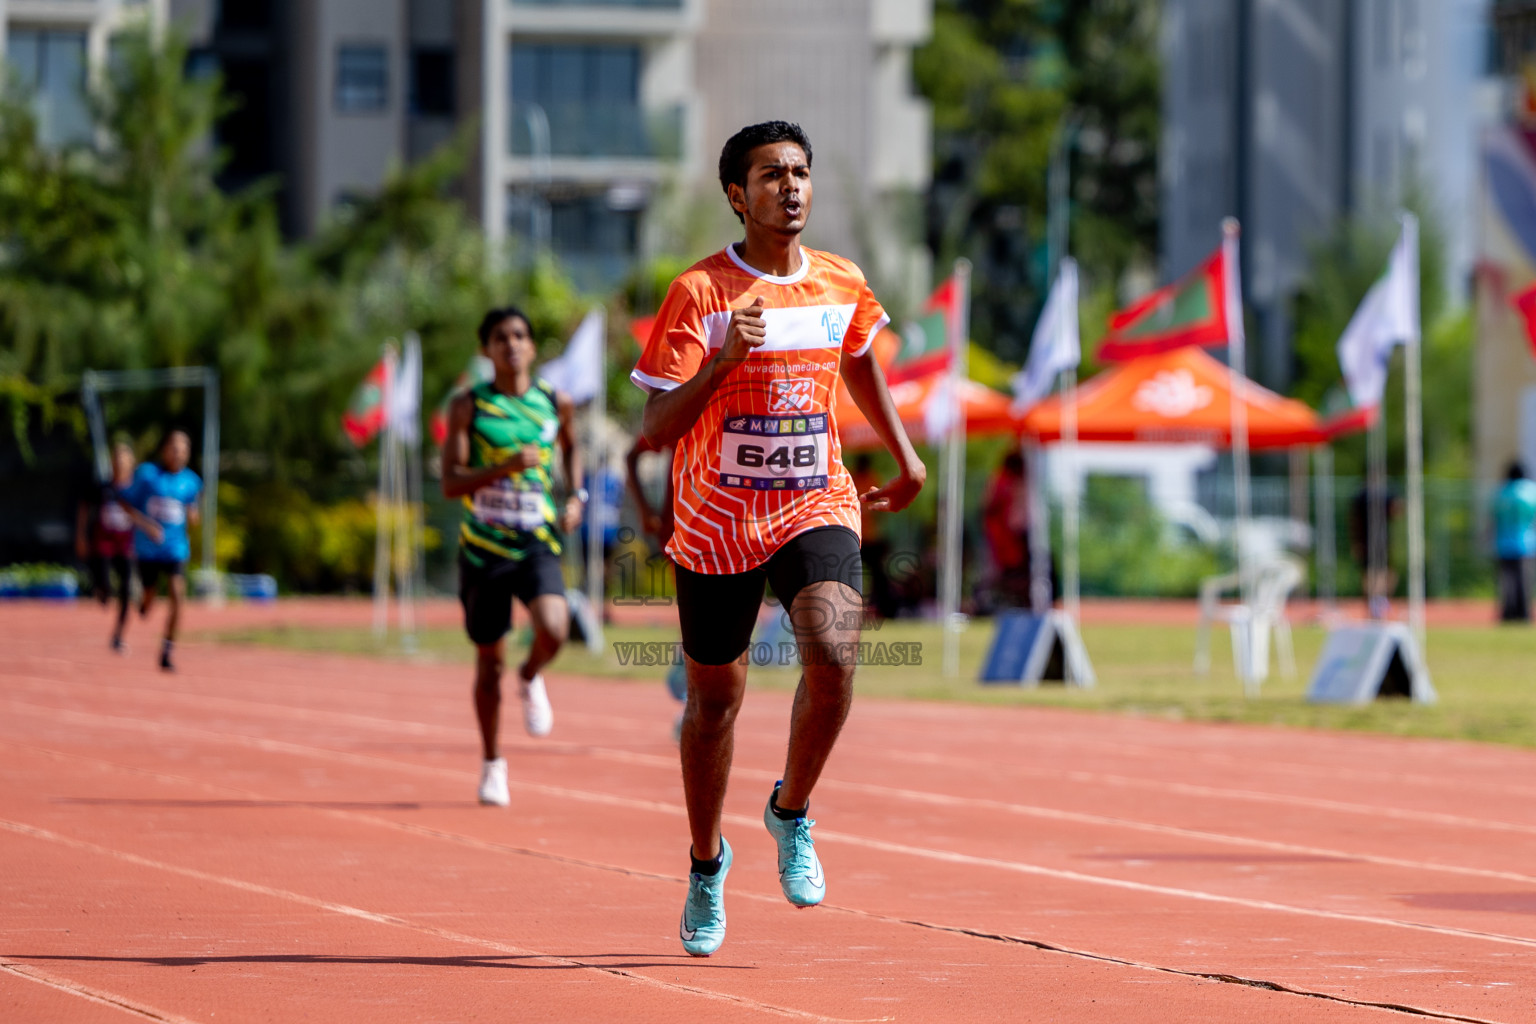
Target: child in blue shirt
164,495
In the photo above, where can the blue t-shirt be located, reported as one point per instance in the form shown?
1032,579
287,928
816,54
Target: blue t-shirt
605,504
165,498
1514,520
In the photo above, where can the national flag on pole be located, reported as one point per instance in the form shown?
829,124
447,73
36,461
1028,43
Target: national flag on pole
578,371
478,371
404,398
364,417
1525,302
1055,346
1388,316
1191,311
926,344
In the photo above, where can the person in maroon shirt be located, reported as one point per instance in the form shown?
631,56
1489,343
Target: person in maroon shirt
104,539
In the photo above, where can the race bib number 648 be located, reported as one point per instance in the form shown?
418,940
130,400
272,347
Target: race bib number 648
780,453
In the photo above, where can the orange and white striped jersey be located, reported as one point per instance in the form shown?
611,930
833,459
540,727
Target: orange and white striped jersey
763,463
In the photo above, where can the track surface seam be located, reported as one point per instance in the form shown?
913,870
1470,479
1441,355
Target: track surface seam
943,856
997,937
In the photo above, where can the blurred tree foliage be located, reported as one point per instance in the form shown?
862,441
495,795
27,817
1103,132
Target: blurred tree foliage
1002,76
125,254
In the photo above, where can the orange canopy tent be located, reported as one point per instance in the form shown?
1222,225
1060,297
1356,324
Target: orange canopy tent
987,412
1180,397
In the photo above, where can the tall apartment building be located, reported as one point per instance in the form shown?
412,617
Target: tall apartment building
593,109
1290,114
1504,371
588,112
53,47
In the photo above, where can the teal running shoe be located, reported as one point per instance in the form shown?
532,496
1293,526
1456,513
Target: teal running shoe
799,868
703,925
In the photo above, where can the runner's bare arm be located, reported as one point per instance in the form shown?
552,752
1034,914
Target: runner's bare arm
570,516
866,384
150,527
650,521
669,414
458,478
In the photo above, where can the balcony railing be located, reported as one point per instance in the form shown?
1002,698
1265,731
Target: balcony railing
596,131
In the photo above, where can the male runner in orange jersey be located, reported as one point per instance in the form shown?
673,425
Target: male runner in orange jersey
741,367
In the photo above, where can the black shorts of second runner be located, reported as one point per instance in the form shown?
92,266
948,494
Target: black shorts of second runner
107,569
717,612
487,592
152,570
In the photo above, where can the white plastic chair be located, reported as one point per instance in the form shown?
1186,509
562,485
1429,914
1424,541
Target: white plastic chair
1271,584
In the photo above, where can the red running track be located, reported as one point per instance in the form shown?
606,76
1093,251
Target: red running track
271,836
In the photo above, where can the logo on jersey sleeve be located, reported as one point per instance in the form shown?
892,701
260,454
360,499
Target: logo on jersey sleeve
793,395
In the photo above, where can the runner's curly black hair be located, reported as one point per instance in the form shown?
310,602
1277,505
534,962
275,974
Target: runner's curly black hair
497,315
735,157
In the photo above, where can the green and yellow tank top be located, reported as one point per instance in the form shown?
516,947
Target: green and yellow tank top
508,517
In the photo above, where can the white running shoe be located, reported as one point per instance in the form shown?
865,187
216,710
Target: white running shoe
538,716
493,783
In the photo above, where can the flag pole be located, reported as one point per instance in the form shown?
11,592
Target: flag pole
1231,233
596,506
1039,532
1325,544
1415,442
382,498
410,558
1071,584
954,476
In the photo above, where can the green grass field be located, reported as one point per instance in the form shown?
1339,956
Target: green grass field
1486,677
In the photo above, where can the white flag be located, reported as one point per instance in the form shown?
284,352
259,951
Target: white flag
1055,346
578,371
939,409
1387,317
404,396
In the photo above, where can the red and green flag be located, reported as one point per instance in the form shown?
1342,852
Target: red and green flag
1191,311
925,348
364,417
478,371
1525,302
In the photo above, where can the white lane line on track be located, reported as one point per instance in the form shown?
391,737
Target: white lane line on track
492,846
346,910
89,993
892,712
868,842
988,768
934,799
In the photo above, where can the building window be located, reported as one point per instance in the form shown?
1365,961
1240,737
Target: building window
596,235
52,66
577,100
362,79
245,15
432,82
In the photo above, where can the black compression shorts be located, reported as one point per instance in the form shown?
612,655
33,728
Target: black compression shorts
717,612
487,592
151,570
